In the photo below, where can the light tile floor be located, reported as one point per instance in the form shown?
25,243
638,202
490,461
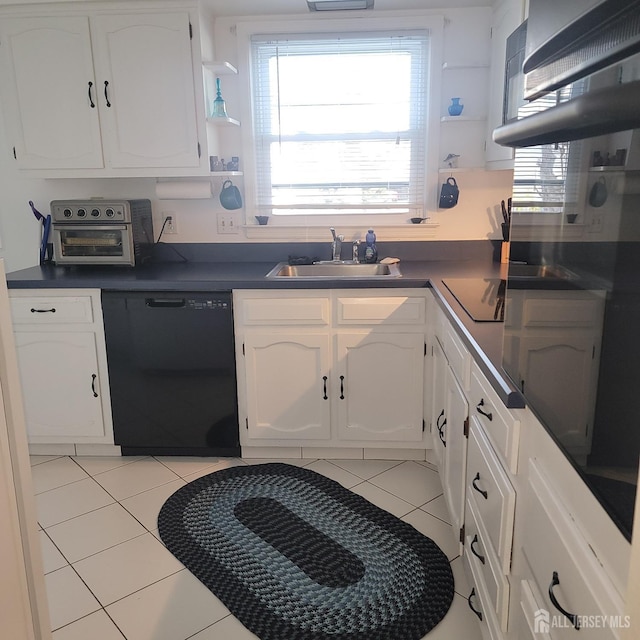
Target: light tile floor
109,577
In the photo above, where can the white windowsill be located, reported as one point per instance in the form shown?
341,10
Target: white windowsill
422,231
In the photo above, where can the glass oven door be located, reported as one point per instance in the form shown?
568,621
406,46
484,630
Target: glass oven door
93,244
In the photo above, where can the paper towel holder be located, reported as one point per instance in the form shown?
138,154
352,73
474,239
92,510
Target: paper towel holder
187,189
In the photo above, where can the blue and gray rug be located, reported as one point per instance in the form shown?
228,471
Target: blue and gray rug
296,556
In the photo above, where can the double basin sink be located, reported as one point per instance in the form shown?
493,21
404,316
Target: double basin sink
335,270
378,271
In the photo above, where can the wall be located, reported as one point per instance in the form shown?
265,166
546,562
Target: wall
477,215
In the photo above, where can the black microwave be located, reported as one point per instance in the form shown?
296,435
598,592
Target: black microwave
513,97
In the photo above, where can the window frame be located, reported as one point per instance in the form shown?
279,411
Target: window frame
433,23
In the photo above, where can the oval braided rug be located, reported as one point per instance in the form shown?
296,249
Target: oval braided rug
296,556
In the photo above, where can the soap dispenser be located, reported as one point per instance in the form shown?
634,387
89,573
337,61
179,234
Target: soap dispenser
371,251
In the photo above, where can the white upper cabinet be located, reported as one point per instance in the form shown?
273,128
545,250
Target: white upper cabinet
145,89
109,92
51,89
507,16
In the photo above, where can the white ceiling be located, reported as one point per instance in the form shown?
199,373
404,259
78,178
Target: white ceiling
270,7
267,7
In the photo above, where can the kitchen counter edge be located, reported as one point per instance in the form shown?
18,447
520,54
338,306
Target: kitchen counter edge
484,340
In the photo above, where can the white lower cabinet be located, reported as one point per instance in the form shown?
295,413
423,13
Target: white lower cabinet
329,368
552,348
62,362
575,593
450,415
452,474
286,377
380,380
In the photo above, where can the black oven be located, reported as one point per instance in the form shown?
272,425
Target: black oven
572,323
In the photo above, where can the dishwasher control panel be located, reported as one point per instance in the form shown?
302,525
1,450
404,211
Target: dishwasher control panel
208,304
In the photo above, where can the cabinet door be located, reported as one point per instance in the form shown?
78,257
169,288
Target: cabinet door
146,89
507,16
379,386
50,97
60,384
438,413
287,382
453,474
559,374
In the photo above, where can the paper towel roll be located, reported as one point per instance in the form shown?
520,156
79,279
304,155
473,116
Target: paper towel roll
183,189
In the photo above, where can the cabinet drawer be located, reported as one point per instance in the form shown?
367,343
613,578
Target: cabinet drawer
478,602
530,618
482,555
491,492
458,356
554,547
393,310
498,422
285,311
562,311
52,310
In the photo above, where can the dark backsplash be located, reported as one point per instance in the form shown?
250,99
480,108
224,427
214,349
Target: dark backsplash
437,250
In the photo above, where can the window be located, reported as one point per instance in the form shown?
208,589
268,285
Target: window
546,176
339,122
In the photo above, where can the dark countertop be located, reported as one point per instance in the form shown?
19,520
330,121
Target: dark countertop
483,339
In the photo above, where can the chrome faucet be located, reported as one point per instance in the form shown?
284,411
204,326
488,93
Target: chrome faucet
336,245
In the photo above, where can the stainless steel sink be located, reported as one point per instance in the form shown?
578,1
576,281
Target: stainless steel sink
335,270
539,272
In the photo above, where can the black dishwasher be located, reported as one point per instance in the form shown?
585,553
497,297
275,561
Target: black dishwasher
172,372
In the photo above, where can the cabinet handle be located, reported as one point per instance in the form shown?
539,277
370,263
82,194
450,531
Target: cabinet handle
93,385
52,310
489,415
324,384
91,102
439,418
106,93
573,617
477,488
440,432
475,553
471,595
341,387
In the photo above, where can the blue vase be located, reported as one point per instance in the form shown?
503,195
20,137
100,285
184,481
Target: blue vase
455,108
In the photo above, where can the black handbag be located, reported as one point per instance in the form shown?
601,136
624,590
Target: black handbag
449,193
230,196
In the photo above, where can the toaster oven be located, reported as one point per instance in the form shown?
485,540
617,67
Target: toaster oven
101,232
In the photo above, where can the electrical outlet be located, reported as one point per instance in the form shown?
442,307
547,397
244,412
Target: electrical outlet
172,225
227,223
596,223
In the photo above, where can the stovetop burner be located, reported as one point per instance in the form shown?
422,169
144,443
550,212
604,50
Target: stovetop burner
481,298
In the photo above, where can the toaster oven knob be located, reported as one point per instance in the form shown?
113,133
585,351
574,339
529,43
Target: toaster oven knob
109,213
67,213
82,213
95,213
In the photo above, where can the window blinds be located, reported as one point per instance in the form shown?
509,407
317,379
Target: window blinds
340,122
547,176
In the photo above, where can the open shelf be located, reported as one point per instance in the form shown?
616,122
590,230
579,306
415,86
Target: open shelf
224,122
220,67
